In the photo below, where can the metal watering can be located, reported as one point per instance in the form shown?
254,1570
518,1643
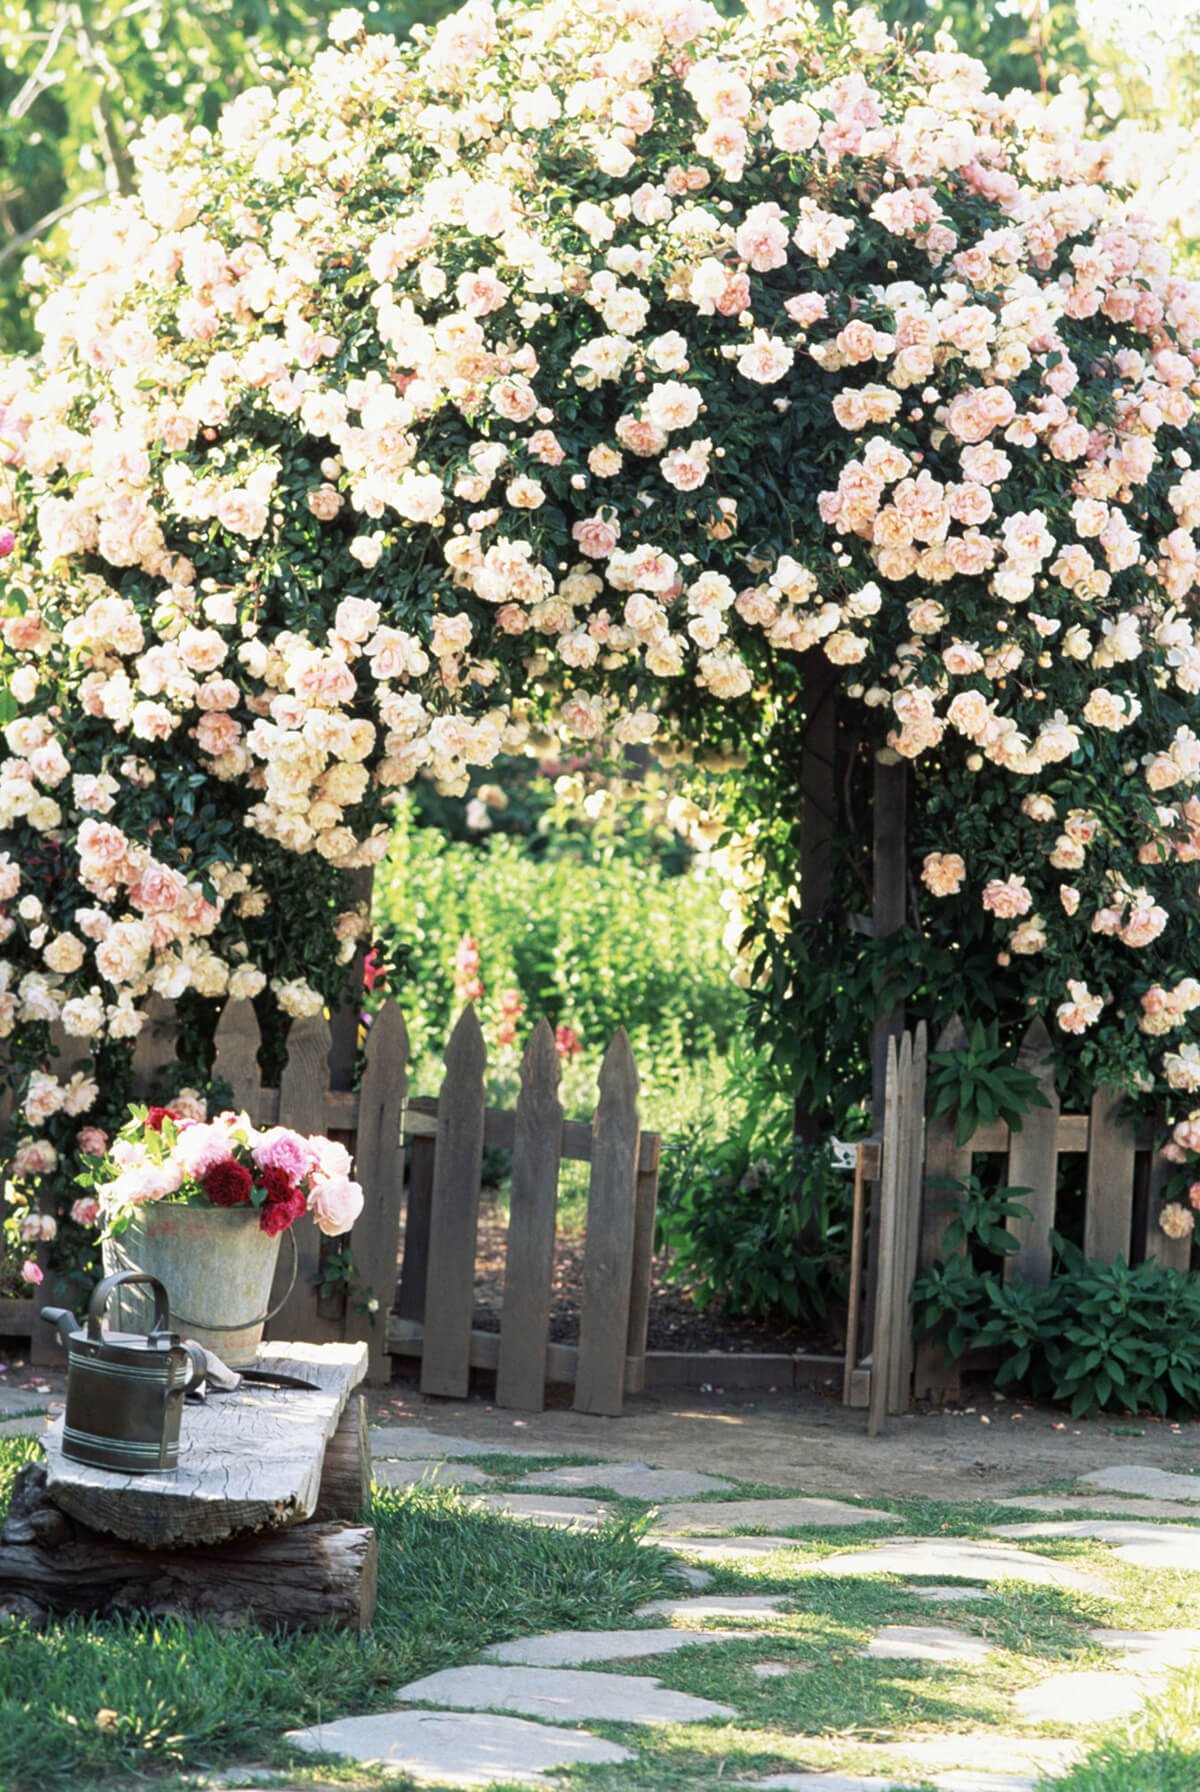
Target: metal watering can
125,1390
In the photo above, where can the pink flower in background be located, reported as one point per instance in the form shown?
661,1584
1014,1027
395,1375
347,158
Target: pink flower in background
8,542
468,985
511,1008
92,1141
85,1211
567,1042
31,1273
375,971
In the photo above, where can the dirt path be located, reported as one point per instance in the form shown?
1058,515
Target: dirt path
806,1440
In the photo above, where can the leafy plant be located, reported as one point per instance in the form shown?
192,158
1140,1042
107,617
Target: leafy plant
754,1218
1101,1337
977,1083
981,1215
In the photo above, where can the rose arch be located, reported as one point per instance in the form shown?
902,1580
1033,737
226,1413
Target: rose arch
623,371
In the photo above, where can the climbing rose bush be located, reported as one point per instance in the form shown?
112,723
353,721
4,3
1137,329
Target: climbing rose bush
578,368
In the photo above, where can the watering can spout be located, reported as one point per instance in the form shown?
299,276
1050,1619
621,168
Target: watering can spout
63,1318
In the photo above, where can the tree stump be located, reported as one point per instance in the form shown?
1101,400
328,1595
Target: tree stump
302,1577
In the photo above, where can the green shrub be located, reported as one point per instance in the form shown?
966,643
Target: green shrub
592,935
753,1218
1101,1337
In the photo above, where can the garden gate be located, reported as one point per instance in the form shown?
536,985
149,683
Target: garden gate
429,1315
912,1170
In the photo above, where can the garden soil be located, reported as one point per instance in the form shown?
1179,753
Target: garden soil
808,1440
988,1447
676,1322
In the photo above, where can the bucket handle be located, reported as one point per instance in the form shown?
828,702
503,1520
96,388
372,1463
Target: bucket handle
208,1326
102,1290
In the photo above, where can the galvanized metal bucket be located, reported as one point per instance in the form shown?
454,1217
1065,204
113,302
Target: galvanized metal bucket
217,1265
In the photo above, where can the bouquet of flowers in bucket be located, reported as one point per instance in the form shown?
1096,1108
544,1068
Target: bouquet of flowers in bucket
161,1154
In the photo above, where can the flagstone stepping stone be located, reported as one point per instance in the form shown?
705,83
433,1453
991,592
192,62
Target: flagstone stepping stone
962,1557
630,1480
574,1648
455,1748
426,1472
728,1516
546,1509
938,1643
408,1442
828,1782
1142,1545
691,1576
562,1695
975,1751
1150,1648
1104,1506
717,1605
1160,1483
726,1549
1088,1697
950,1595
28,1426
16,1401
986,1782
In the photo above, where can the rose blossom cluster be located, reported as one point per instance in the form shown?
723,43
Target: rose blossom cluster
163,1155
355,451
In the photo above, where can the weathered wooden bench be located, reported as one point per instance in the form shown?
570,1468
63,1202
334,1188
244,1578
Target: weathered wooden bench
261,1521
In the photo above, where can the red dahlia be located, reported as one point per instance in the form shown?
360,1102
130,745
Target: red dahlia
156,1116
277,1216
275,1183
227,1184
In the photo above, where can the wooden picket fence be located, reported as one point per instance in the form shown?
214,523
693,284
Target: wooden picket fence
912,1171
435,1206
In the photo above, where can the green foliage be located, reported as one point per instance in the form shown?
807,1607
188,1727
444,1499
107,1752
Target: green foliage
753,1218
977,1083
591,934
1101,1337
982,1216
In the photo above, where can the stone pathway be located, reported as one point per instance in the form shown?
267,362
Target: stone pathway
966,1558
1143,1545
927,1642
522,1711
767,1515
630,1480
1155,1482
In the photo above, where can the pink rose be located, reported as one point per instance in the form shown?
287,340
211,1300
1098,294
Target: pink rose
332,1159
282,1149
92,1141
31,1273
1007,899
336,1204
200,1146
8,542
85,1211
597,536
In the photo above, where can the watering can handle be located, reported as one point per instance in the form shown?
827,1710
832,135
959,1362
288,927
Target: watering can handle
102,1290
199,1365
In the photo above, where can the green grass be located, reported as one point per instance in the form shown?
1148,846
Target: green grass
451,1579
454,1579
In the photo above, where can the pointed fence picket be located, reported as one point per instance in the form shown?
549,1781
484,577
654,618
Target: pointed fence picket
915,1200
431,1213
